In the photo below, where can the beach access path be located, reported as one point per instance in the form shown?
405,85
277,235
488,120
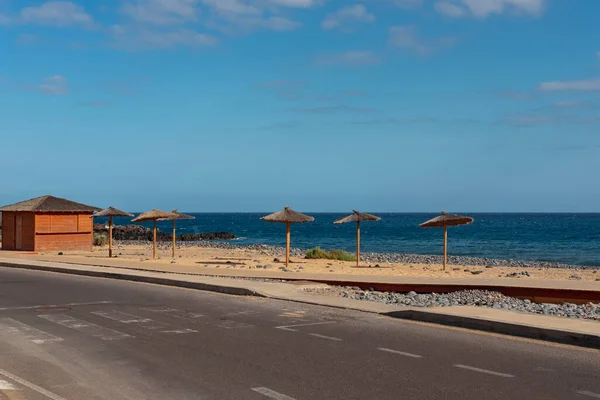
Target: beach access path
564,330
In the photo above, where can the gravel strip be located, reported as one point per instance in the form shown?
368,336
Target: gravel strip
478,298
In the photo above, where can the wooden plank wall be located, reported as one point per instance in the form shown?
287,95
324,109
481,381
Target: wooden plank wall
28,238
8,230
63,232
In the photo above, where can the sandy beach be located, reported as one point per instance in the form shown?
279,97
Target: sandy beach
245,258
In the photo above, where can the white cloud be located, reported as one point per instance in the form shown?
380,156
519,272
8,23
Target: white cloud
142,39
586,85
232,7
4,20
296,3
406,37
162,12
56,13
347,15
484,8
449,9
351,58
598,55
56,85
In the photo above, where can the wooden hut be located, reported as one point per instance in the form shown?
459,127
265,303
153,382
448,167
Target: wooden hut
47,223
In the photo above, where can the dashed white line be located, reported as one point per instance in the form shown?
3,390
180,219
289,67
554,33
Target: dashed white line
174,313
335,339
31,386
272,394
5,385
85,327
290,327
484,371
11,327
402,353
94,303
588,393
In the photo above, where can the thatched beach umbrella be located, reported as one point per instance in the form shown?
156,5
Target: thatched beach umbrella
444,221
153,215
111,212
357,216
176,216
288,217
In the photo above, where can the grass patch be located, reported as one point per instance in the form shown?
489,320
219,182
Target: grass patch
100,239
341,255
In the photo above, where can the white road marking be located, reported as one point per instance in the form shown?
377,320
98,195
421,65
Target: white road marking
31,386
272,394
289,327
234,325
335,339
180,331
11,327
94,303
588,393
126,318
85,327
485,371
402,353
174,313
5,385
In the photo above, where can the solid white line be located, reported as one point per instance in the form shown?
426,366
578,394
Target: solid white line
272,394
399,352
55,305
335,339
180,331
31,386
173,312
5,385
588,393
289,327
16,328
485,371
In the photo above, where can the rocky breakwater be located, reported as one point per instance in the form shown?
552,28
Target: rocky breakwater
477,298
138,233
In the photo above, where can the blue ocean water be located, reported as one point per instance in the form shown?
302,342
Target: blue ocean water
565,238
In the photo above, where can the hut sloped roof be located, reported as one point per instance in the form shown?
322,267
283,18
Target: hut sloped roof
446,220
49,204
288,216
154,214
112,212
178,216
357,216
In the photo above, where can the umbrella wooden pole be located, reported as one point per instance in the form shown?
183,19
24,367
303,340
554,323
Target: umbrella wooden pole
110,226
174,240
154,240
445,246
287,244
357,243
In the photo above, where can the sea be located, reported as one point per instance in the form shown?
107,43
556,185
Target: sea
563,238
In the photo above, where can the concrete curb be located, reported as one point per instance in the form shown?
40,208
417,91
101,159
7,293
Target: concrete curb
141,278
505,328
480,324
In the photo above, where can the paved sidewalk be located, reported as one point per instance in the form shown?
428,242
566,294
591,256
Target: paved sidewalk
332,277
563,330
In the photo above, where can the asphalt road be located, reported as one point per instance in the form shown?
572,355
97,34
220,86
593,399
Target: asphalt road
66,337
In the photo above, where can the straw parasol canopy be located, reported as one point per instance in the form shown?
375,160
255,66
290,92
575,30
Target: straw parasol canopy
153,215
111,212
177,216
288,217
357,217
444,221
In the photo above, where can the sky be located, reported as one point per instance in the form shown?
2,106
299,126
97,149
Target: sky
322,105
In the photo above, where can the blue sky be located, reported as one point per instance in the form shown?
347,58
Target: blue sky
323,105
